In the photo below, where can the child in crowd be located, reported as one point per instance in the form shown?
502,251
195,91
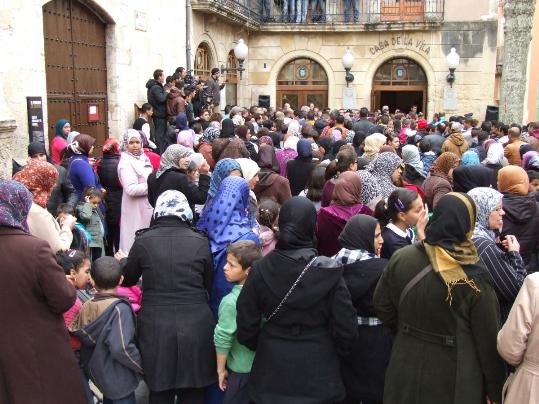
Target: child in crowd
76,266
426,155
268,232
90,215
81,238
106,327
197,128
231,354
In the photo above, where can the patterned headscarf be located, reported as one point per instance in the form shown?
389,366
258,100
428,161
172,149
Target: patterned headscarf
486,200
370,190
127,136
39,177
382,168
210,134
171,158
443,164
223,168
265,140
225,217
173,203
530,160
15,203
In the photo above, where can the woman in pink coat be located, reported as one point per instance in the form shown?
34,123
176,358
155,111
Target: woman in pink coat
518,344
133,171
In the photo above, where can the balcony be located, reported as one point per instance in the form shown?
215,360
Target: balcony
328,15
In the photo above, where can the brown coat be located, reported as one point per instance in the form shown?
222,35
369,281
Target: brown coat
455,143
37,363
175,103
206,150
232,148
512,152
272,186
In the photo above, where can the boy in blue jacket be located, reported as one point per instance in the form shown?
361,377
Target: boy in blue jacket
105,326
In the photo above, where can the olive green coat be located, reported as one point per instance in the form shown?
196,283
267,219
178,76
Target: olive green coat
424,369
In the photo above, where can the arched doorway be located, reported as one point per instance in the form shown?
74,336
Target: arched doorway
203,61
231,80
301,82
400,83
75,67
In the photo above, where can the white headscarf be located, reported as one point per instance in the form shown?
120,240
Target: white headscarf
173,203
291,143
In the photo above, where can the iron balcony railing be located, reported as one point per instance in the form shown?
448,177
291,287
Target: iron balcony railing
329,11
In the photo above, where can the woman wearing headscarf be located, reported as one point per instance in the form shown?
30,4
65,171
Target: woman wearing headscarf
440,181
470,177
205,144
410,156
59,142
370,191
107,169
37,363
133,171
223,169
364,369
288,153
250,170
470,158
521,213
372,146
331,219
172,174
518,344
299,169
386,169
506,268
271,184
495,159
437,299
530,161
175,325
81,172
228,145
225,221
310,319
40,177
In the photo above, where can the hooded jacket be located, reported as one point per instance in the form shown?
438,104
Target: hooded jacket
157,98
522,221
273,186
106,328
175,103
455,143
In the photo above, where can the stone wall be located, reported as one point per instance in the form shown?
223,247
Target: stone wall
133,53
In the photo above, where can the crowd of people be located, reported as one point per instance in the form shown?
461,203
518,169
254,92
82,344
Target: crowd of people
273,256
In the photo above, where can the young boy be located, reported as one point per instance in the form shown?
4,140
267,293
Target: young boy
90,215
230,354
105,326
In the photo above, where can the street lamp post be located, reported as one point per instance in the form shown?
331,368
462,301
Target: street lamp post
347,63
453,60
240,51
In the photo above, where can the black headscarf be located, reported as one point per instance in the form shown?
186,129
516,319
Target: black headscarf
304,149
297,222
335,149
470,177
358,233
227,128
326,142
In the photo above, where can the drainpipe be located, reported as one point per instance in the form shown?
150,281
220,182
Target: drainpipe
188,35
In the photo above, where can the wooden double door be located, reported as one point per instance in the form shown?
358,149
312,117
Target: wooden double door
76,67
298,96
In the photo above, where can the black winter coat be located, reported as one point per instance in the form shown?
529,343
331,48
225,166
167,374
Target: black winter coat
107,171
175,325
177,180
63,191
363,371
522,221
298,172
157,97
297,359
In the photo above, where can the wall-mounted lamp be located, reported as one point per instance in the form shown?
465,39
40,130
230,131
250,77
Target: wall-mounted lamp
347,63
453,60
240,51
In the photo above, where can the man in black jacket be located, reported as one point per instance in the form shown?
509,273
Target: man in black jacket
157,97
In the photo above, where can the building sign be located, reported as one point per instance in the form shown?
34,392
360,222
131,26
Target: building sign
400,42
450,99
34,107
349,97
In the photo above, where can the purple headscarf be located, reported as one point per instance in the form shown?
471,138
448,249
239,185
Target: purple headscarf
15,203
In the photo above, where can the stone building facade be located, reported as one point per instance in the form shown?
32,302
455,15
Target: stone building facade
395,44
